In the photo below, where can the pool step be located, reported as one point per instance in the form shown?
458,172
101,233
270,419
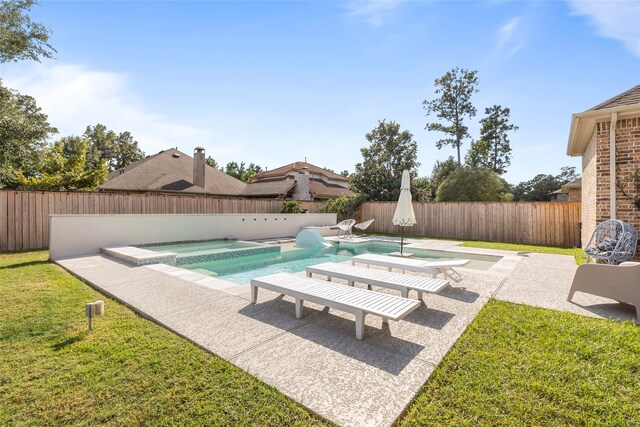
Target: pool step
218,254
139,256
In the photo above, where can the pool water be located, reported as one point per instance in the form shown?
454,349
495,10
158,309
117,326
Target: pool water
242,269
205,245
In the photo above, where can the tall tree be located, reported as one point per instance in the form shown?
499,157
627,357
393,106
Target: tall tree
20,38
118,150
24,130
125,151
241,171
452,106
493,149
63,167
390,152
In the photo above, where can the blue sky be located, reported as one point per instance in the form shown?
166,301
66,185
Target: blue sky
274,82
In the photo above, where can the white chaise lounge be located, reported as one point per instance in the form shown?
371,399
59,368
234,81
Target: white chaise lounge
418,266
385,279
356,301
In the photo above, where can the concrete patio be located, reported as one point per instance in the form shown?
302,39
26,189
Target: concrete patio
316,360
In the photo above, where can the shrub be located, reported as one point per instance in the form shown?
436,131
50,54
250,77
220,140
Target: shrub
291,206
345,206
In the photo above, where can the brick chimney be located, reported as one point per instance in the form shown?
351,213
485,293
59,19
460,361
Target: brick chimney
198,167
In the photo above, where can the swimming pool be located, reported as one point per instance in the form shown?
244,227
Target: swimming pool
242,269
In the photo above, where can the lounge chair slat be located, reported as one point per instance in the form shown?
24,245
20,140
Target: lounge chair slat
390,280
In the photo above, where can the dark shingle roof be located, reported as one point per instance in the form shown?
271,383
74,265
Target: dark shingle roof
298,166
323,190
630,97
268,188
171,170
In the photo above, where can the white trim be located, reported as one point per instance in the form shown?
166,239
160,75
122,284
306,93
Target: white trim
612,165
582,125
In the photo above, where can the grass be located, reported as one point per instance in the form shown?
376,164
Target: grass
514,365
520,365
126,371
577,253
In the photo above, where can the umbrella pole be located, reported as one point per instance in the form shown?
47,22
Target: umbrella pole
401,239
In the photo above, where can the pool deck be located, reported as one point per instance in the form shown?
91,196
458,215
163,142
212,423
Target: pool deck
316,360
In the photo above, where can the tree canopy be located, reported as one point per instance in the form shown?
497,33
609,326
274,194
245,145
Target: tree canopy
63,167
453,105
541,186
24,130
468,184
118,150
493,149
241,171
390,151
20,38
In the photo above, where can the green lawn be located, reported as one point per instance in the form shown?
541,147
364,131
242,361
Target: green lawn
126,371
519,365
515,365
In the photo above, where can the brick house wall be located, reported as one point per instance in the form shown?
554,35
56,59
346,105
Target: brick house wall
597,207
575,195
589,191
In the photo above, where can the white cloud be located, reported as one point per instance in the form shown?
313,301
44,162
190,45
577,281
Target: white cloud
618,20
510,38
74,97
373,11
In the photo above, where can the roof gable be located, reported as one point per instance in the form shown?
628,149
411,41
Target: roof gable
298,166
629,97
171,170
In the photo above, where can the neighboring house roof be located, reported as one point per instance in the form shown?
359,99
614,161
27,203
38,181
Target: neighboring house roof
298,166
582,124
269,188
577,183
171,170
323,190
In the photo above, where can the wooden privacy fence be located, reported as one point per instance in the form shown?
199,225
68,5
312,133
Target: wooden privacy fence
536,223
24,215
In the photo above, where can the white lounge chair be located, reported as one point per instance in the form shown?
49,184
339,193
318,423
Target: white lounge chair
618,282
362,226
356,301
418,266
345,226
385,279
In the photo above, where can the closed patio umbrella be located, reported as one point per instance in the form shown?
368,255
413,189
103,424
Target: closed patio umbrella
404,215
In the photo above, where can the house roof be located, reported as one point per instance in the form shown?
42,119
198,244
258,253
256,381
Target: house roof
171,170
624,105
629,97
576,183
322,190
269,188
298,166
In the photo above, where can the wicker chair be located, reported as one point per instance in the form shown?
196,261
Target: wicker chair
613,241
